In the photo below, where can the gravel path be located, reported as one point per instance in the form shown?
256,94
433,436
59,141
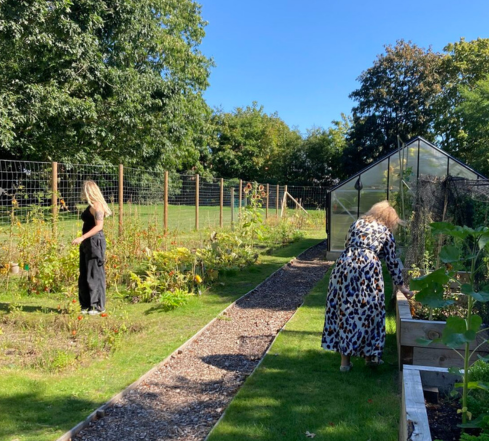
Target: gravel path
184,398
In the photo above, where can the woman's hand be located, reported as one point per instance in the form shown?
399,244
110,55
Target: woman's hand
77,241
409,294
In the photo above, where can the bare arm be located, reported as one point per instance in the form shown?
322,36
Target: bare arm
98,213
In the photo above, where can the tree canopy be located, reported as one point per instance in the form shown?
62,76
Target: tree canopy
119,81
102,80
396,98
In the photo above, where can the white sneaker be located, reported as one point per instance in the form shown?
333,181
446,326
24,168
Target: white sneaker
95,311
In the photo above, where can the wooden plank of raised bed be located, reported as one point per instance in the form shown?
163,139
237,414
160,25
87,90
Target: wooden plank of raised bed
438,377
443,357
412,329
403,308
414,422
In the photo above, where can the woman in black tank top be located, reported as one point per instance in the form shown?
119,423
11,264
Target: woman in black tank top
91,282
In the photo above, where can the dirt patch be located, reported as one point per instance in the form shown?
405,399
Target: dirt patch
183,399
444,420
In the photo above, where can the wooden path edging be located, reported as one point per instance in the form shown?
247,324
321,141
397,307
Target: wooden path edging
100,412
259,363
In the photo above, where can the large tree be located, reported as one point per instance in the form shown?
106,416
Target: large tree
396,98
248,144
102,81
317,160
465,64
474,138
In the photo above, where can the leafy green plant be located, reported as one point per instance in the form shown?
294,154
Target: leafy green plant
481,437
459,331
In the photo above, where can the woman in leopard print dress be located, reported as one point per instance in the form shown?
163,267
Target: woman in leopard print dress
355,309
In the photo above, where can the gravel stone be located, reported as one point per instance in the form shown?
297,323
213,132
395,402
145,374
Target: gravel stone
183,399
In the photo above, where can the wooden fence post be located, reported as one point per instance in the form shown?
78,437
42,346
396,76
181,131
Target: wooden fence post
121,198
284,202
165,201
197,202
240,196
268,193
221,204
232,208
54,197
277,201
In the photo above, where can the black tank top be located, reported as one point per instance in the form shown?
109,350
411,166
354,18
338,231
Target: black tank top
88,220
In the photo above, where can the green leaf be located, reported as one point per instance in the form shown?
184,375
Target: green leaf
474,424
480,296
455,370
455,333
475,323
424,341
485,359
483,240
449,254
432,296
449,229
439,276
478,385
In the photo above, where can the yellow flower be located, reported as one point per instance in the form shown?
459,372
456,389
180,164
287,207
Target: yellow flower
198,279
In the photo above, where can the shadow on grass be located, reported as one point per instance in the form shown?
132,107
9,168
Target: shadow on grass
33,415
28,308
298,389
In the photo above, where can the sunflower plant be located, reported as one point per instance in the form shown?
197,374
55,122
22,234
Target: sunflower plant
473,245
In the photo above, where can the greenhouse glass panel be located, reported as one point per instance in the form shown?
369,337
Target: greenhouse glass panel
375,178
411,157
344,209
374,182
432,162
456,169
394,176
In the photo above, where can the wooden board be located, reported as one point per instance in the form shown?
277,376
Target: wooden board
414,420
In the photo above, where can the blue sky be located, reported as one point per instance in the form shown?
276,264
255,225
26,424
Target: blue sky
302,58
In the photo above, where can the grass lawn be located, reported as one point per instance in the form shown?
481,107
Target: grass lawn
42,403
298,389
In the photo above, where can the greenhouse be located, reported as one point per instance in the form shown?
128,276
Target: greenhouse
392,178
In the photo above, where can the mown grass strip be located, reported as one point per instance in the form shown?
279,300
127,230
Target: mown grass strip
43,405
298,389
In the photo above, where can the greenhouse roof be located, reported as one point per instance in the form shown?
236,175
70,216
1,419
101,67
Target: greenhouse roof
382,180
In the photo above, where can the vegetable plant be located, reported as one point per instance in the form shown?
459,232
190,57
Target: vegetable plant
465,252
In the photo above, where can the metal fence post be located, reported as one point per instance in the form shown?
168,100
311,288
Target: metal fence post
232,208
121,198
165,208
267,196
54,197
277,201
221,203
240,196
197,202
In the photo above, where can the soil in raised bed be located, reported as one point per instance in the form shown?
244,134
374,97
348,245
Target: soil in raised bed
444,420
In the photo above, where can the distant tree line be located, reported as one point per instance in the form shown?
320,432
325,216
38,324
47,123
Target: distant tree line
118,81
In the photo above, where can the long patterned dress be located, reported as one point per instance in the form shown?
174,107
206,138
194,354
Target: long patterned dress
355,307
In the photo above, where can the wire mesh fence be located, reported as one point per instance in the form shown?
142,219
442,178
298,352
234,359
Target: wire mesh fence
174,201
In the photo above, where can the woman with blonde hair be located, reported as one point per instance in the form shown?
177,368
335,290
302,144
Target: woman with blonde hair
355,308
91,282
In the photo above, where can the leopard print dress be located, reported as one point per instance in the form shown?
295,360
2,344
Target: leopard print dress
355,307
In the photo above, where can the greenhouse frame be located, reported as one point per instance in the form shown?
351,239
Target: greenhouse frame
389,178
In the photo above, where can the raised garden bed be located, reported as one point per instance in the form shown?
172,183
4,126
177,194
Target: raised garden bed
414,416
410,352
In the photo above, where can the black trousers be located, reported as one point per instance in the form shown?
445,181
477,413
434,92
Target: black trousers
91,283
